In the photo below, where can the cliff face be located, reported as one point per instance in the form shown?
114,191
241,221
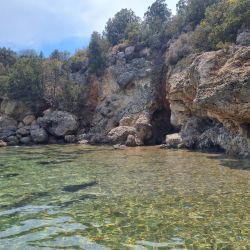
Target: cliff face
209,96
139,100
130,106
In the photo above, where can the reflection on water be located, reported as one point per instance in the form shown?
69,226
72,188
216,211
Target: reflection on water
82,197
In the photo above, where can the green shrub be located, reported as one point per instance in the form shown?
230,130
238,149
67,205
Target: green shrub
26,80
222,22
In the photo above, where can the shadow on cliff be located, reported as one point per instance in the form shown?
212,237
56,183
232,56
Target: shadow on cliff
232,162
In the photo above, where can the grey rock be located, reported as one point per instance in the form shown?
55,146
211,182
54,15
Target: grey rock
52,140
81,137
26,140
119,147
120,58
173,141
39,135
70,138
27,120
12,141
59,123
129,52
20,125
131,142
126,78
23,131
120,134
8,126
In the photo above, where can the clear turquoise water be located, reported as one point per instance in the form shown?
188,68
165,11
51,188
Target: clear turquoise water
144,198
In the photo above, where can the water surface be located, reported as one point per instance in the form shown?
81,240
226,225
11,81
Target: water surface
85,197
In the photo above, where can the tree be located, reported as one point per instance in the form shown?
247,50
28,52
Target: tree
26,82
96,54
181,7
116,27
7,57
61,56
28,53
133,32
195,11
157,16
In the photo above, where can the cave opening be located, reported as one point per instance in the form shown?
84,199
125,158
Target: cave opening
245,130
161,126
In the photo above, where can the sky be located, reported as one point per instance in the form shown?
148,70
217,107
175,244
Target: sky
45,25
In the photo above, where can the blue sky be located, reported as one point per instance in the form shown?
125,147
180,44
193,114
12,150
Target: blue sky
45,25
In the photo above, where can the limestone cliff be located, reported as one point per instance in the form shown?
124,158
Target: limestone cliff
209,96
140,99
130,105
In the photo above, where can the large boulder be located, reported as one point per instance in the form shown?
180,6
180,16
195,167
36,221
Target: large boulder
70,138
26,140
39,135
59,123
120,134
8,127
27,120
174,141
143,128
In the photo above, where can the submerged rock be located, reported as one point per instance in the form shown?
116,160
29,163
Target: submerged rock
119,147
75,188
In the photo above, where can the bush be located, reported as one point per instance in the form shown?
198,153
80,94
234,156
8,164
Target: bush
133,32
7,57
79,61
222,22
26,80
179,49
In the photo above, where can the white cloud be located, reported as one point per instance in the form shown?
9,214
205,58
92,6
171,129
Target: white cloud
33,23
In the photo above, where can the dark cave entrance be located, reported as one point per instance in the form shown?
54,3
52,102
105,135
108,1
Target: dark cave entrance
161,126
245,130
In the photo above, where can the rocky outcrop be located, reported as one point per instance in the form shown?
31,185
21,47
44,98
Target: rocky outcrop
209,97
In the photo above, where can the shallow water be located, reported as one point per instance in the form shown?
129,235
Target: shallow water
85,197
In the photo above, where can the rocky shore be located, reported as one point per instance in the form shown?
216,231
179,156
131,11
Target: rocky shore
202,102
